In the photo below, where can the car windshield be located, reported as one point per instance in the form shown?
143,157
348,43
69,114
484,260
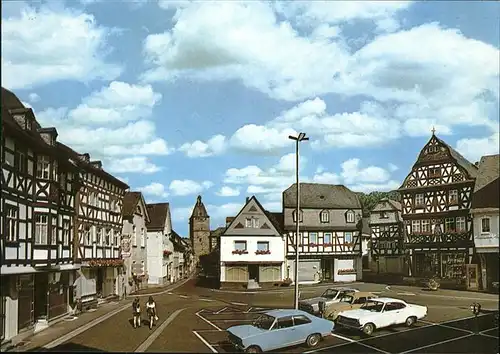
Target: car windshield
347,298
264,322
330,294
373,306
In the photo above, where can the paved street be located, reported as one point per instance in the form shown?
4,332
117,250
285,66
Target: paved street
194,319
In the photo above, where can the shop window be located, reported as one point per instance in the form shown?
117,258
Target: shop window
427,265
460,224
452,265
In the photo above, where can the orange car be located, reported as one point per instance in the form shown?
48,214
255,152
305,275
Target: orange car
347,302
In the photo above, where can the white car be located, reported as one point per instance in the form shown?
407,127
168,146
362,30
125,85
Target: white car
381,312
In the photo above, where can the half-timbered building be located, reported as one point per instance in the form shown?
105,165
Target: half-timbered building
485,210
98,226
39,185
252,248
387,237
436,198
329,242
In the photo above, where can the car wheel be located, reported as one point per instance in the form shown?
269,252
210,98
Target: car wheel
410,321
368,328
313,340
253,349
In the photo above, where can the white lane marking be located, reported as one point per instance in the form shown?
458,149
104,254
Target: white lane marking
449,327
83,328
156,333
488,335
407,294
239,303
207,300
205,342
169,293
207,321
169,290
249,309
388,288
221,310
438,343
343,338
459,297
231,320
184,296
206,330
376,292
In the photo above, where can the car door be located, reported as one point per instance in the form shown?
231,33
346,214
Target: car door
283,333
301,328
395,313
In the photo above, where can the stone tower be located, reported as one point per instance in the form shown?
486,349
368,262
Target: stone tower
199,230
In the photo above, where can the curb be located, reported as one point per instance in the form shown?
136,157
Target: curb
286,289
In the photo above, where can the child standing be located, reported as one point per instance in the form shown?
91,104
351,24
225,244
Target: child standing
136,312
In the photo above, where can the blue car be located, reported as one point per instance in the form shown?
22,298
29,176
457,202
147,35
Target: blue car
279,329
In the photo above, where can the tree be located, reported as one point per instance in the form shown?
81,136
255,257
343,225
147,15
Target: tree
370,200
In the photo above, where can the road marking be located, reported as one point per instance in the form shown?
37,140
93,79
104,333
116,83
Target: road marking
376,292
459,297
221,310
445,326
156,333
232,320
408,294
343,338
168,291
249,309
207,321
83,328
388,288
488,335
207,300
239,303
184,296
438,343
205,342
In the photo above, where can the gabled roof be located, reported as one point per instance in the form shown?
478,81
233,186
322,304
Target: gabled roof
462,161
130,202
158,213
217,232
199,210
386,204
318,196
486,189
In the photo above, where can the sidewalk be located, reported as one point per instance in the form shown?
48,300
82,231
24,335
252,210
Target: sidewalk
28,340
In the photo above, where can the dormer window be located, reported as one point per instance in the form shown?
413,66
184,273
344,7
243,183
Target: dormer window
252,223
324,216
42,167
294,215
432,149
383,215
138,210
349,216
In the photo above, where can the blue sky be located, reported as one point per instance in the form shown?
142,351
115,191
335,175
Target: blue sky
182,98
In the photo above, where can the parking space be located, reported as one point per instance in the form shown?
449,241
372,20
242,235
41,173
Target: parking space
472,335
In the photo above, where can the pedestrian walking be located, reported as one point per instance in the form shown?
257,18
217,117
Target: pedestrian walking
151,311
136,311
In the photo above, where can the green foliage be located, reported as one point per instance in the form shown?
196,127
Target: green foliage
369,201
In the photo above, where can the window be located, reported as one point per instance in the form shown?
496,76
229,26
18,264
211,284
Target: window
419,200
383,215
91,198
394,306
9,158
434,172
453,196
134,236
313,238
426,227
248,222
432,149
41,229
284,322
350,216
99,236
66,232
485,225
42,167
53,230
452,265
255,223
327,238
107,238
262,246
143,238
54,171
300,320
294,215
12,222
360,300
21,162
324,216
348,237
449,225
240,245
113,205
460,225
415,226
86,235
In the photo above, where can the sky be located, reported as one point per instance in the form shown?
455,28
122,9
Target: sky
181,98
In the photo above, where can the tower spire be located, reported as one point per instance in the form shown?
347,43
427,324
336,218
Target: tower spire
433,130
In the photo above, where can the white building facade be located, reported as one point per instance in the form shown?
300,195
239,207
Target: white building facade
252,248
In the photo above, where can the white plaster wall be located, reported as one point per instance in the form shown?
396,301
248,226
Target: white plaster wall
11,312
276,246
487,240
343,264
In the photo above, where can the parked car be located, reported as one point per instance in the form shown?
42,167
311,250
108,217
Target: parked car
279,329
347,302
381,312
330,296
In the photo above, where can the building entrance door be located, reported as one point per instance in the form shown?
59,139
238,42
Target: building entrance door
41,295
327,269
472,277
26,301
253,272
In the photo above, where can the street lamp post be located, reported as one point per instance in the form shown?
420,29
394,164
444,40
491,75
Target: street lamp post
297,139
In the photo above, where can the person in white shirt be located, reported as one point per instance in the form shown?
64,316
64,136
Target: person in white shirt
151,311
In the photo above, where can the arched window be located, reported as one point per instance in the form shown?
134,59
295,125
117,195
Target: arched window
294,214
324,216
349,216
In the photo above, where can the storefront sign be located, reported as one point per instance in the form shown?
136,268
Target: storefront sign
125,246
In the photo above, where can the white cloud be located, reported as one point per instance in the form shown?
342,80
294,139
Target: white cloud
138,164
379,187
188,187
474,148
352,173
51,44
217,213
214,146
33,97
226,191
154,189
393,167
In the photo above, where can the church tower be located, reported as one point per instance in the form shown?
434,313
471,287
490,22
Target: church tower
199,230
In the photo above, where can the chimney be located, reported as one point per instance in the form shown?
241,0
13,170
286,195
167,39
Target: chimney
96,164
49,135
84,157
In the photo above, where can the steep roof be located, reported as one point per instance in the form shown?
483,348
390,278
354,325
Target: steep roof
387,204
157,216
462,161
317,196
199,210
218,231
366,230
277,220
486,189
